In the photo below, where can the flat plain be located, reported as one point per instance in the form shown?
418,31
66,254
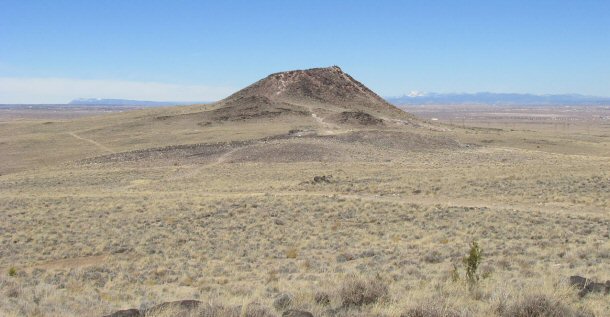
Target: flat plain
108,212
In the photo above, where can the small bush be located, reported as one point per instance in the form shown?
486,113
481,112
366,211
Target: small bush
358,291
12,292
220,310
322,298
472,262
257,310
433,257
12,272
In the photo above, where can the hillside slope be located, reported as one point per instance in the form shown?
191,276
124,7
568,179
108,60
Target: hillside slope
314,102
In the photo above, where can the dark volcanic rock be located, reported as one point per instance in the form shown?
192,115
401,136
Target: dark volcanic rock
328,85
587,286
578,281
356,118
251,107
180,308
283,301
322,179
126,313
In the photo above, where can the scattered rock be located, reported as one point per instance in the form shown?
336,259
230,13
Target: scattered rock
597,288
126,313
296,313
253,107
181,308
282,301
356,118
324,179
587,286
578,281
279,222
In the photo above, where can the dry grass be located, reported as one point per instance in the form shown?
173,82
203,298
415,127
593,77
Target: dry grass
380,239
541,305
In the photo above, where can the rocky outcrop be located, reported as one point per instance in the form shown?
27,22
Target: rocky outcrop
587,286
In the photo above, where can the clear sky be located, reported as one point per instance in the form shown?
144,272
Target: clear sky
54,51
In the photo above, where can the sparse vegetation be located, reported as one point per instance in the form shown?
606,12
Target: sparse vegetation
359,291
322,298
472,262
542,306
239,219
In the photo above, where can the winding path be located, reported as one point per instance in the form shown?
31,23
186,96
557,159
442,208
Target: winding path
99,145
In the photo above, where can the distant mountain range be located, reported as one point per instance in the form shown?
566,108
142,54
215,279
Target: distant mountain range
413,98
127,102
488,98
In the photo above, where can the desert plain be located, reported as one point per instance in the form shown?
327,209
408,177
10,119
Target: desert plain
258,205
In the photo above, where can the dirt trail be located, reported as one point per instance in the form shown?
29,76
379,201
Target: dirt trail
318,119
99,145
329,128
224,157
193,172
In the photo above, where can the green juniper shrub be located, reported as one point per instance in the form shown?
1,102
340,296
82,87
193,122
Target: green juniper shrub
472,262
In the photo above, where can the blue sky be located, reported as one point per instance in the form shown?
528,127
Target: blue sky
53,51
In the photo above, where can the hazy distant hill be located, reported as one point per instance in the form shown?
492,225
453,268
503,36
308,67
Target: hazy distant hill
414,98
417,98
127,102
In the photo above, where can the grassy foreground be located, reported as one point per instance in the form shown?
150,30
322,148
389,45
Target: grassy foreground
379,237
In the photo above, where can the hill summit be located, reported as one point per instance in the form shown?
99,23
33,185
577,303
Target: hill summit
320,92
